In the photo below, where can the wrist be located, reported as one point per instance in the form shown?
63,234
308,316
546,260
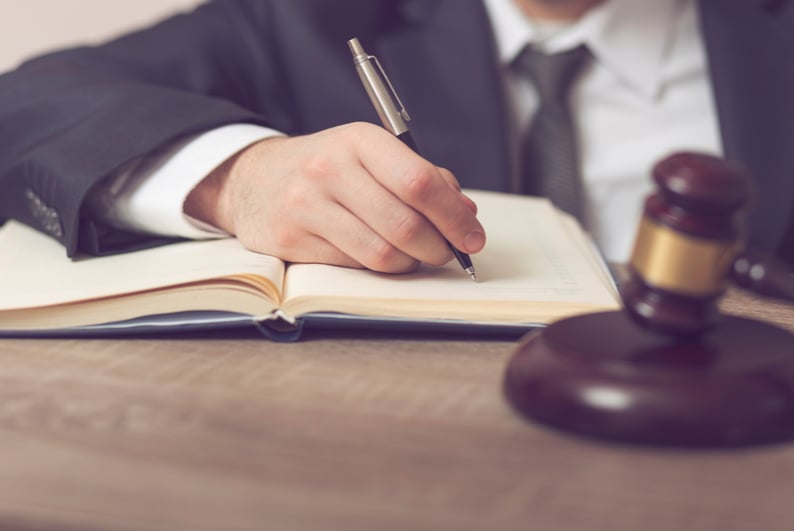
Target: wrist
204,202
213,200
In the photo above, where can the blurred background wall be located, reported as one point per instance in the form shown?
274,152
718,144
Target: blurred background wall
31,27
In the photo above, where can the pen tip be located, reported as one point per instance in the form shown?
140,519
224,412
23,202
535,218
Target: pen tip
471,272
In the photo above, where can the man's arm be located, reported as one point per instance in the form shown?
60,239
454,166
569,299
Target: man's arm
149,198
71,119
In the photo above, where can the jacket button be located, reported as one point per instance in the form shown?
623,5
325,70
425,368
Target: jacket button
45,215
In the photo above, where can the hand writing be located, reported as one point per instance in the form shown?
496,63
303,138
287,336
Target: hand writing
352,195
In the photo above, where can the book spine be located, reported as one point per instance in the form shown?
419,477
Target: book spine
280,330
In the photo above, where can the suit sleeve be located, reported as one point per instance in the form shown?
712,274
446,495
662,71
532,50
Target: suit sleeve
70,119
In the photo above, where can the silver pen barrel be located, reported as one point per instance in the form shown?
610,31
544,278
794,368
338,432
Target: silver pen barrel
379,89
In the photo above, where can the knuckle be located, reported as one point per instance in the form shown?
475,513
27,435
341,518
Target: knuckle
384,257
419,183
283,238
317,167
408,227
451,179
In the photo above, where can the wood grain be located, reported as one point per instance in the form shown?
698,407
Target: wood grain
229,432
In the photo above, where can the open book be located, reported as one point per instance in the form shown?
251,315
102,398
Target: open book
538,266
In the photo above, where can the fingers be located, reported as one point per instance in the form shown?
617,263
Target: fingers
360,242
408,231
313,229
290,244
448,176
316,250
425,188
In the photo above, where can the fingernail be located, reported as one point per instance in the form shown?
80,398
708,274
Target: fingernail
474,241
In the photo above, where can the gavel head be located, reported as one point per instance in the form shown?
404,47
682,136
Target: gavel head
688,238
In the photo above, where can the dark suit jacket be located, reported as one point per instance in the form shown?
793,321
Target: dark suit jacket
69,119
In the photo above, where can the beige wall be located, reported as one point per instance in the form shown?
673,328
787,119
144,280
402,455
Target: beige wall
30,27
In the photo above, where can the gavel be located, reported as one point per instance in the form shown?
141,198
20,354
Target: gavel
670,369
690,243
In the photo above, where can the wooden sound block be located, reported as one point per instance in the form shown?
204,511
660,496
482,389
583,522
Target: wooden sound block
600,375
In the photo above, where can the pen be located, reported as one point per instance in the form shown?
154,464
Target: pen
386,101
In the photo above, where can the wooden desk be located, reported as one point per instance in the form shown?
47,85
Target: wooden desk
337,433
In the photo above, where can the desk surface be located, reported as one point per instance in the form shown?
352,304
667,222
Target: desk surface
337,433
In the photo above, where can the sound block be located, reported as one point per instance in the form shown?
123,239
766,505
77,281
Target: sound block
600,375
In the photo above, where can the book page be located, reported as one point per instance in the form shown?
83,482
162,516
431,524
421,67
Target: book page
530,260
35,272
590,249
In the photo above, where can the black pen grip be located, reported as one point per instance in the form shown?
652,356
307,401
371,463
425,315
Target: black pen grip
407,139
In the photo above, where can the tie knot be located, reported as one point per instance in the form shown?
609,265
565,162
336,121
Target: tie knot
552,74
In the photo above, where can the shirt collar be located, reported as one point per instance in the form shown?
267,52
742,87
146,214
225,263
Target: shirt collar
630,38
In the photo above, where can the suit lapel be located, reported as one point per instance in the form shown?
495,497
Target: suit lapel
443,64
749,46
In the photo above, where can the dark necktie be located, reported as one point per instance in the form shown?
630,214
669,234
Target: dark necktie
549,151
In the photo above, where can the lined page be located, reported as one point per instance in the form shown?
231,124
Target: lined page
531,255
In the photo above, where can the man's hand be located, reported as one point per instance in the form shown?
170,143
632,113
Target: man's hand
353,195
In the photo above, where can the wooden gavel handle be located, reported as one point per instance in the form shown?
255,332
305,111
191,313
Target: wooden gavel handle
763,275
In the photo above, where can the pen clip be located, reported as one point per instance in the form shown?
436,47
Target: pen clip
403,112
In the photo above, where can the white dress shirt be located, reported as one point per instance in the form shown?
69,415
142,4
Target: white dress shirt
645,95
147,195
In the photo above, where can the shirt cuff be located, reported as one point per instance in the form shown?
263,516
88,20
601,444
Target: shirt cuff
148,196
